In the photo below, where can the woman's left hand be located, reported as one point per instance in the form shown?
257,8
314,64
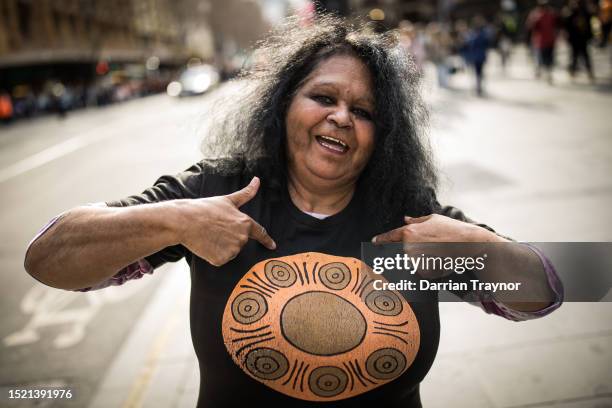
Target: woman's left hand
436,228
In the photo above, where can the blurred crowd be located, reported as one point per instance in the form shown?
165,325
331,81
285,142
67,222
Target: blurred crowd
577,23
464,45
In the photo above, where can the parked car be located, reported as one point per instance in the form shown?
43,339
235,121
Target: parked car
194,81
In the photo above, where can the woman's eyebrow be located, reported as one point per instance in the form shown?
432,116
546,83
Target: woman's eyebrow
328,84
324,84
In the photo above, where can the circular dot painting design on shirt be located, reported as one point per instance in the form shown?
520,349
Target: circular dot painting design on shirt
313,327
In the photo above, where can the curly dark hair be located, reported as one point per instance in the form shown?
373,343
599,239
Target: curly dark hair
400,177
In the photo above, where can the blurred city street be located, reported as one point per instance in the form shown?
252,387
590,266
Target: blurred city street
532,160
52,337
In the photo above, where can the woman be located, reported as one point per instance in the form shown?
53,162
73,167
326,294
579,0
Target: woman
327,140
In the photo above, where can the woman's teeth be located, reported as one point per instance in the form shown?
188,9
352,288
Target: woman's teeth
332,143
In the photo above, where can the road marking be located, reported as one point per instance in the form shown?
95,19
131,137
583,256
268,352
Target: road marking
54,152
86,138
52,307
142,382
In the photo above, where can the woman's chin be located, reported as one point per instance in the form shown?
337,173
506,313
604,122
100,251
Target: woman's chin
318,170
330,175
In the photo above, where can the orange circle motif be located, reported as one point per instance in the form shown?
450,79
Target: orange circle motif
313,327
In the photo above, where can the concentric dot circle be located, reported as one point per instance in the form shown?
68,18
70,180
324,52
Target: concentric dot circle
280,273
266,363
335,275
327,381
384,302
385,364
249,307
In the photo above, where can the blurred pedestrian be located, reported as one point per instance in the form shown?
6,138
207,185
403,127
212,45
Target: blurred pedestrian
43,101
459,37
577,24
505,29
475,49
605,18
58,99
543,23
438,47
412,41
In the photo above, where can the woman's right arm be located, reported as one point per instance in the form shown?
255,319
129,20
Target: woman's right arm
90,244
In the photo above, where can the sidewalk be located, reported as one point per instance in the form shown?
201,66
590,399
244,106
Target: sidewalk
530,159
156,366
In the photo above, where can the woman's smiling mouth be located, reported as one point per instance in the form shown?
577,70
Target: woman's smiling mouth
332,144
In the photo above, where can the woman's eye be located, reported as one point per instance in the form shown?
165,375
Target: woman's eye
325,100
362,113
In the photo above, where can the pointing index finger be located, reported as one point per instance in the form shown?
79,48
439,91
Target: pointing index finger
394,235
416,220
260,234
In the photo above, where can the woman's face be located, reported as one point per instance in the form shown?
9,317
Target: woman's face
330,127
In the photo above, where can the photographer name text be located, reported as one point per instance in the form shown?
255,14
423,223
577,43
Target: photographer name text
424,284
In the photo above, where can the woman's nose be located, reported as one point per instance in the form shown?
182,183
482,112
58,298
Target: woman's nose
341,117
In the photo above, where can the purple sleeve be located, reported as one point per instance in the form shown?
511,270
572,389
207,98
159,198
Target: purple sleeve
135,270
44,229
489,304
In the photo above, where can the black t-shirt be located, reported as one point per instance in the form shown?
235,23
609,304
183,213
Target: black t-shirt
299,325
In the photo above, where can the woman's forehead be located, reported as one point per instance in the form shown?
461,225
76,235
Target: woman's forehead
343,73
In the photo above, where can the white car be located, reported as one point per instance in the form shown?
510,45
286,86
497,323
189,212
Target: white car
194,81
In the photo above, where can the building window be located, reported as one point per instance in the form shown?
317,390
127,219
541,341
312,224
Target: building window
24,16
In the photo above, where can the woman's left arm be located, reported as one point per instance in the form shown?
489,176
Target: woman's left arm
539,289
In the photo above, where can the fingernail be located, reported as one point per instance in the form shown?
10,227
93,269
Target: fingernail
273,245
374,240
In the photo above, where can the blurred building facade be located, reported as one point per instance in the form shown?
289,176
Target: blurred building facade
64,54
83,30
79,40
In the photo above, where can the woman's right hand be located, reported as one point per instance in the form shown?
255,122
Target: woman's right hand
216,230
